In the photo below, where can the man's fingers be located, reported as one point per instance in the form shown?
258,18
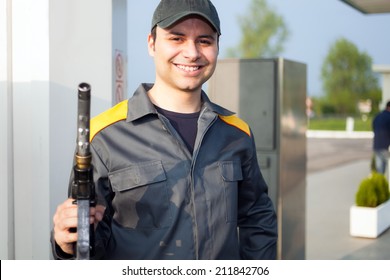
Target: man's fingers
99,212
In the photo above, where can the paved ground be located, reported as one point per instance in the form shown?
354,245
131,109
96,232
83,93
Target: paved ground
328,153
335,168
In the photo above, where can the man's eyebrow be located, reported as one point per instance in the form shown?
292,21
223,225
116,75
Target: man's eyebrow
177,33
207,36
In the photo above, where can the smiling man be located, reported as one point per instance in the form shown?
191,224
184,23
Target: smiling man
176,175
185,57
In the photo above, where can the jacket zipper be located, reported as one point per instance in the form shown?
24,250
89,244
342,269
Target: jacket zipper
193,164
165,123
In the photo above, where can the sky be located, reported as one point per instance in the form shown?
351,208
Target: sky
314,26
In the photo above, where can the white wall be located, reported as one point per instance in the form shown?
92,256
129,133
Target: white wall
6,143
384,70
51,47
30,93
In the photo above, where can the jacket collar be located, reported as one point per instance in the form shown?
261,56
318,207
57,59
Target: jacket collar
140,105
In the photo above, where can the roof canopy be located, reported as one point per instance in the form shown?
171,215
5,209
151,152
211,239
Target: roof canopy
370,6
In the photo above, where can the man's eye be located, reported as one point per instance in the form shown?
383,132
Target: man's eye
205,42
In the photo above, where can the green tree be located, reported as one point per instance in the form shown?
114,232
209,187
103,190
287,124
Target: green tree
347,77
263,32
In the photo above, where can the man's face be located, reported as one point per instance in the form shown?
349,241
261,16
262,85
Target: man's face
185,54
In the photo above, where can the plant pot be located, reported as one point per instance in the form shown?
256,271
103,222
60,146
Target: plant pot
369,221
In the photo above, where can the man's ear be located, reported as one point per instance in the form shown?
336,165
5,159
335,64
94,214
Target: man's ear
151,46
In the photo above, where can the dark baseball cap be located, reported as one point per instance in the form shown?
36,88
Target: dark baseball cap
170,11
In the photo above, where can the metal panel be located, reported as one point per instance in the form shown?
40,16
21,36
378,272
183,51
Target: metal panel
253,99
270,95
223,92
292,158
257,100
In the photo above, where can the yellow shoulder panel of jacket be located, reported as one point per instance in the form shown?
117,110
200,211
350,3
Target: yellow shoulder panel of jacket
237,122
112,115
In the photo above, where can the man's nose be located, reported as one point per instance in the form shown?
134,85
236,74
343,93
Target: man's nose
191,51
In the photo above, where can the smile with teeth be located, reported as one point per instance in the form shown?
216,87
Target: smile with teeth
188,68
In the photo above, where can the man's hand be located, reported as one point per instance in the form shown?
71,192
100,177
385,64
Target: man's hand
65,218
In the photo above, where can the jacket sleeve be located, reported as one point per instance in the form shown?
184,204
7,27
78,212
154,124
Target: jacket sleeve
257,219
104,196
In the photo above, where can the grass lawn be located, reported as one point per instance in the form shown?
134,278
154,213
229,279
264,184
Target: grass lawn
339,124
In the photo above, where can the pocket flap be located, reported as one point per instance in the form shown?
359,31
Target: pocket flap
137,175
231,170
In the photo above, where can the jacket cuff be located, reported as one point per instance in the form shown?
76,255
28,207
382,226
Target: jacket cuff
57,252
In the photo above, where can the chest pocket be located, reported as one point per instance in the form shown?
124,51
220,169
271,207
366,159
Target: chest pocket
231,174
141,198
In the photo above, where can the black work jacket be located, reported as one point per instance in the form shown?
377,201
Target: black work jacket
162,202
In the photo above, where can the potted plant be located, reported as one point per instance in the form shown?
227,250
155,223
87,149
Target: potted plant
370,216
